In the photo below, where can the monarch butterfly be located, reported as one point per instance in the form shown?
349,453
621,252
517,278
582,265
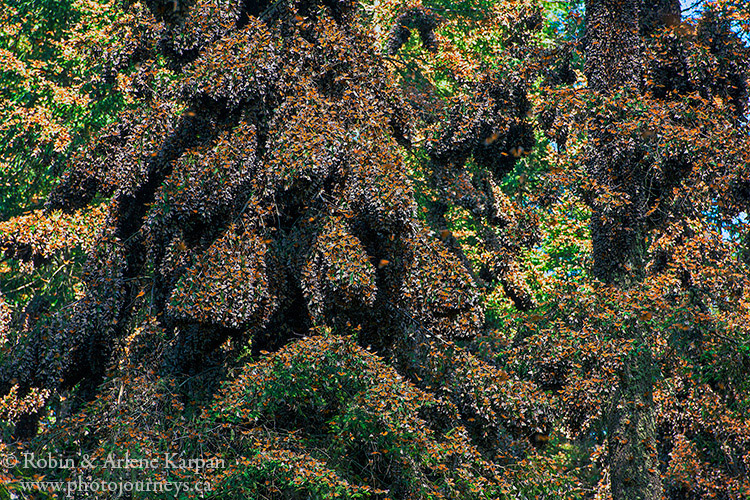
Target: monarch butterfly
490,139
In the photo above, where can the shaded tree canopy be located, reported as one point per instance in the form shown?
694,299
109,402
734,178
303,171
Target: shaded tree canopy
385,250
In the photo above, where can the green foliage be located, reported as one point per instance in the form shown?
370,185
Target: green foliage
356,250
53,96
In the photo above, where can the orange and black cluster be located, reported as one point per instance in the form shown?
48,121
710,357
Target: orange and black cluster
260,195
420,19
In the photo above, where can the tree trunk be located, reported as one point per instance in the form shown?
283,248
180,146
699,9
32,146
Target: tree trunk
631,442
613,64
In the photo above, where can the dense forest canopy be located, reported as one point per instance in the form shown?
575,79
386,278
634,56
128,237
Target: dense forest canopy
376,249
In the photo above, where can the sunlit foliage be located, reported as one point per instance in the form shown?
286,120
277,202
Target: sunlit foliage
387,250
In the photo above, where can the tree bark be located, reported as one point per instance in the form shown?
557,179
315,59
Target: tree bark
613,64
631,429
